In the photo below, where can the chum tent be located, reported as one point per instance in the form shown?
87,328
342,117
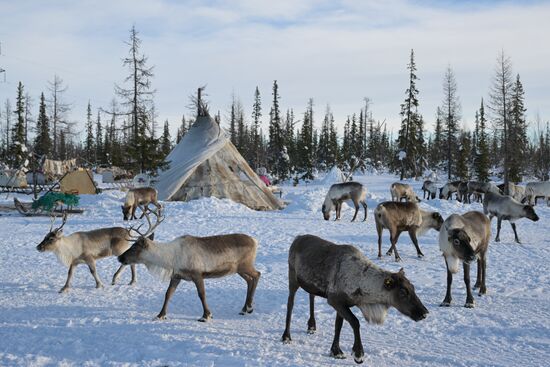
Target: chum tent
78,182
205,163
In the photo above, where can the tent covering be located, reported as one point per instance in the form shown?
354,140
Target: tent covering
205,163
78,182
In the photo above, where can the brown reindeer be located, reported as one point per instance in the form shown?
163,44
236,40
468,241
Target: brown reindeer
195,259
142,196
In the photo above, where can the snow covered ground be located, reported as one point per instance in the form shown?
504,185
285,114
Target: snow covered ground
114,326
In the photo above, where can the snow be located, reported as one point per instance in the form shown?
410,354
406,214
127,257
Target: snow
114,326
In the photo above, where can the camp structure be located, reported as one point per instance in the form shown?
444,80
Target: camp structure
335,175
205,163
78,182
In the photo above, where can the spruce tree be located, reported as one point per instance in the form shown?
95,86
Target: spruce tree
482,160
256,122
165,141
42,141
99,149
306,148
462,167
17,147
89,148
182,130
518,132
277,152
407,140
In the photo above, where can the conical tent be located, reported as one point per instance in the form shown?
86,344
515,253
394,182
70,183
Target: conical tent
206,163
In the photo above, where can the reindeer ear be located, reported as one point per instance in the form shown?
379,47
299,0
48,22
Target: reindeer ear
401,271
389,283
151,236
59,232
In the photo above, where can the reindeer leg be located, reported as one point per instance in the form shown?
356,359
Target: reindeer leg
379,231
364,203
292,289
144,210
174,282
499,222
311,325
251,279
394,238
345,312
335,350
515,232
478,278
117,274
199,283
69,277
412,234
470,302
483,287
448,299
134,274
91,264
356,205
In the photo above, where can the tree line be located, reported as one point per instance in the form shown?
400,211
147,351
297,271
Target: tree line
295,146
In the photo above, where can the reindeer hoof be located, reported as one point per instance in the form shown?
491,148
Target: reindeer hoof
470,304
497,239
205,318
420,255
482,291
358,359
133,282
99,285
311,330
286,339
246,310
445,304
337,353
397,259
64,290
159,317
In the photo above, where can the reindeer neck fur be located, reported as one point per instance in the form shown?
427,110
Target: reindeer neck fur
130,199
68,249
161,258
364,281
376,308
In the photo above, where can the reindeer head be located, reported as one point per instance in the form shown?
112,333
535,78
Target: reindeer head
403,296
530,213
437,221
133,254
462,245
51,240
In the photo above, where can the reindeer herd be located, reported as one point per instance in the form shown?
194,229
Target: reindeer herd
341,274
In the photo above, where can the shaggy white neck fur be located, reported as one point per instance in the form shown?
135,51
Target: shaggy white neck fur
67,250
160,259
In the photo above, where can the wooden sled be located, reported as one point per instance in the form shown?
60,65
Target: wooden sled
27,210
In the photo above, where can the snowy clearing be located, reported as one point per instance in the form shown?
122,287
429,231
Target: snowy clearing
114,326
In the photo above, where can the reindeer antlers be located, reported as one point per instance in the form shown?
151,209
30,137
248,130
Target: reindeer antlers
64,220
152,227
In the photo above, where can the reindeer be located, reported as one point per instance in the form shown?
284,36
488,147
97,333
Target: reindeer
346,277
136,197
429,189
340,192
398,217
506,208
400,191
195,259
448,189
86,248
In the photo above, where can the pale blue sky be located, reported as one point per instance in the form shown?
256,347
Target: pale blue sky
335,52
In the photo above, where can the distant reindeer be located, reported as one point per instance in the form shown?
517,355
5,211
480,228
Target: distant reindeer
340,192
506,208
86,248
398,217
195,259
429,190
400,191
142,196
534,190
448,189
